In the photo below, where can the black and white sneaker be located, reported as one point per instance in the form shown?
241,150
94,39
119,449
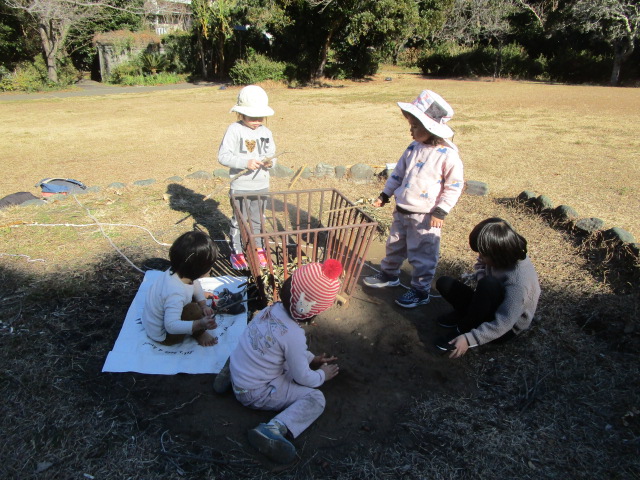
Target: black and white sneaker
381,280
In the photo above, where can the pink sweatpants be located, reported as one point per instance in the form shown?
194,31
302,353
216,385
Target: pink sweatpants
411,237
302,405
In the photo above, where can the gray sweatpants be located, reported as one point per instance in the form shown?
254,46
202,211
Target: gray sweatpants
300,406
411,237
253,208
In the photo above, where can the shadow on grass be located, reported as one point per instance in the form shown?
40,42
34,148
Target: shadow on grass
554,402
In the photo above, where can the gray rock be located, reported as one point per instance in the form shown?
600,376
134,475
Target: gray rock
564,213
200,175
144,183
476,189
341,171
280,171
306,173
221,173
589,225
361,173
542,203
324,170
175,178
526,196
116,185
34,201
619,235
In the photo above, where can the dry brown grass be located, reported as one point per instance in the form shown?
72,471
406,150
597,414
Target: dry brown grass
576,144
562,401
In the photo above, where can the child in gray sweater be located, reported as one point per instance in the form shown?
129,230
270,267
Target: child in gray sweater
503,303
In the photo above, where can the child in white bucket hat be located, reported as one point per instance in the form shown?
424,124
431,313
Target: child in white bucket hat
272,368
248,146
426,182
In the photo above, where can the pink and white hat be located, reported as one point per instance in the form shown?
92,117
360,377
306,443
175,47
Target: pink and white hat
314,288
433,112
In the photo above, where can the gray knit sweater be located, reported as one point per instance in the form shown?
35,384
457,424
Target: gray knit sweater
521,294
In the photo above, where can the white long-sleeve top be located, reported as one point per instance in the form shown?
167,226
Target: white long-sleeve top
241,144
426,177
272,343
163,306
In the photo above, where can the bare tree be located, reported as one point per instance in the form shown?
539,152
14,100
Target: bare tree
614,21
539,9
54,18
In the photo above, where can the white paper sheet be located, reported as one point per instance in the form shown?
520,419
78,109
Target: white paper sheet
135,352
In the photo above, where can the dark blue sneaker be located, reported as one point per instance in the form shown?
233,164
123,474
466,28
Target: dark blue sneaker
269,441
413,298
381,280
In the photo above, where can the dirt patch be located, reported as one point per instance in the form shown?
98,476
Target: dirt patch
560,400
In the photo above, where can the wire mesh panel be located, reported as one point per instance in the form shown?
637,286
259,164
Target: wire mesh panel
300,227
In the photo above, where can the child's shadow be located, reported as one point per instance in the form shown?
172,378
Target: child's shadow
201,212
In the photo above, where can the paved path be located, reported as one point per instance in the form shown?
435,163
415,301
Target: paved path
86,88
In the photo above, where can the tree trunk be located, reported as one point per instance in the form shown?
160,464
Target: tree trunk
622,50
324,52
202,57
49,49
220,70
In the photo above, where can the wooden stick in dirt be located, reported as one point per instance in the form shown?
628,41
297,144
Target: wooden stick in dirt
297,176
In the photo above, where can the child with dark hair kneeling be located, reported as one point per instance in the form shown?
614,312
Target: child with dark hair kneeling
175,304
503,303
272,369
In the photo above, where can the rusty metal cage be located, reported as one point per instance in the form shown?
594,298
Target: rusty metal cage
299,227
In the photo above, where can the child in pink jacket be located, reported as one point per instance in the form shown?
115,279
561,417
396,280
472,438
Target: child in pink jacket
272,369
426,182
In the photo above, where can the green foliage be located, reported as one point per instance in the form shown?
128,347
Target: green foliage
18,43
581,66
257,68
180,50
153,62
512,61
32,76
164,78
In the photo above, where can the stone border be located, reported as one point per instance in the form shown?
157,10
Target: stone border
363,173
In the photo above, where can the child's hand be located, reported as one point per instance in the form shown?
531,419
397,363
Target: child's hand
208,322
436,222
207,311
330,371
318,360
254,164
461,345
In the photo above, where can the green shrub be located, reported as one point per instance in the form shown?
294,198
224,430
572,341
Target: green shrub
579,66
153,62
32,76
257,68
454,60
180,50
164,78
125,70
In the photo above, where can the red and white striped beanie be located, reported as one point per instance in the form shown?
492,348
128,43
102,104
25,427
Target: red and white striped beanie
314,288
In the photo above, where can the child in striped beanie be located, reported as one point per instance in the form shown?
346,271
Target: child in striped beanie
272,368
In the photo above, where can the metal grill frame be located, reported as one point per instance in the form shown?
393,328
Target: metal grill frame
302,226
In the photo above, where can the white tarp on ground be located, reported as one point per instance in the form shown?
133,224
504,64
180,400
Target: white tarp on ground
135,352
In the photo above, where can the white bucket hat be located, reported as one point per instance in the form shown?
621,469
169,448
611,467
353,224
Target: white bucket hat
433,112
253,102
